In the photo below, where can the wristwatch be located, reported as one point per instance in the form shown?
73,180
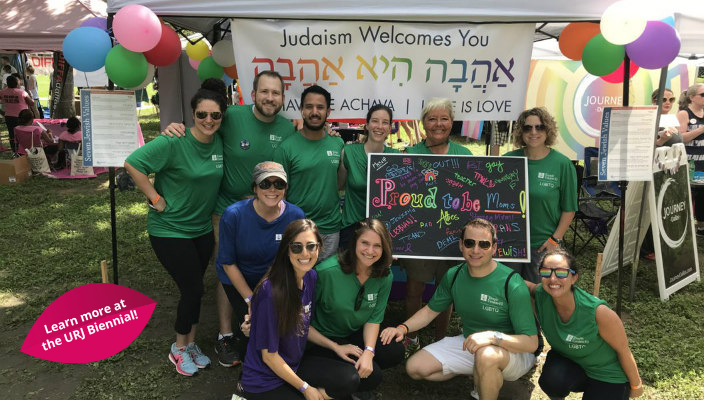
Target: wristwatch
498,337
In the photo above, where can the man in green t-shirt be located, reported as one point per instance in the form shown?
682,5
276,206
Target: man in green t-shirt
250,134
499,334
311,160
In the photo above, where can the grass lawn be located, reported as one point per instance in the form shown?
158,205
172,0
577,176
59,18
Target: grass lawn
54,233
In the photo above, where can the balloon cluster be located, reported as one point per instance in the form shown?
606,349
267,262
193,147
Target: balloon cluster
143,43
651,42
218,62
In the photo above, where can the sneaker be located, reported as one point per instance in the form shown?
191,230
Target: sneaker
199,359
700,231
411,347
474,394
226,349
182,360
237,397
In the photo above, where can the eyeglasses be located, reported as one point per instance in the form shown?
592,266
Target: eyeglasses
297,247
279,184
215,115
483,244
560,273
538,128
359,298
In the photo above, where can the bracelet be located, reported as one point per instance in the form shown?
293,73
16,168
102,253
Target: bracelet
405,327
304,387
156,199
370,348
640,386
554,241
248,299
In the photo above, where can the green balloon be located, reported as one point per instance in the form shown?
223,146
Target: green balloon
208,68
125,68
601,57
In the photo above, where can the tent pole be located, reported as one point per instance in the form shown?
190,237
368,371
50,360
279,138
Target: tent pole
111,178
622,185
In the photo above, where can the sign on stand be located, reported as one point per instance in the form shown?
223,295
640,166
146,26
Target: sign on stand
110,128
673,221
425,200
626,136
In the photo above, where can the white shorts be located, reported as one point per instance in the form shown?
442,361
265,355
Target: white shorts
456,361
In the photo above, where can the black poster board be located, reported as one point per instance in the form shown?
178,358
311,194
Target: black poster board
425,200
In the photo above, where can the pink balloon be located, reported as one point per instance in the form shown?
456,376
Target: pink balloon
656,47
194,63
617,76
136,28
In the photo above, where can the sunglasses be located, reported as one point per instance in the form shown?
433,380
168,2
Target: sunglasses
560,273
297,247
538,128
700,94
215,115
483,244
668,100
279,184
359,298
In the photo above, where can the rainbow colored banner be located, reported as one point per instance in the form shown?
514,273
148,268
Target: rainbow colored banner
576,99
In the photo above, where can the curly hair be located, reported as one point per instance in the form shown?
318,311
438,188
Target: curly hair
545,119
348,257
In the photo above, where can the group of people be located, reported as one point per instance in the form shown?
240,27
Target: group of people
309,282
14,97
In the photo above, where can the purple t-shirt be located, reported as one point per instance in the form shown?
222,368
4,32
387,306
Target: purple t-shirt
257,377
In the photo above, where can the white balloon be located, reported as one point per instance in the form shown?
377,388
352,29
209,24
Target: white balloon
224,53
623,22
147,80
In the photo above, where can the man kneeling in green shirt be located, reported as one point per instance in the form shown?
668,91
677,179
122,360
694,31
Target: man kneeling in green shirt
499,334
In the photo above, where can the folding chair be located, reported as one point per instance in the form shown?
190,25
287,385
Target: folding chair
591,184
592,220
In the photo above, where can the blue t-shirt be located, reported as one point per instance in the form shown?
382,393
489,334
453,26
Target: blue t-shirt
257,377
249,241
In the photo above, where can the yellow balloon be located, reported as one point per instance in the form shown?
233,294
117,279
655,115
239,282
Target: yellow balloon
198,51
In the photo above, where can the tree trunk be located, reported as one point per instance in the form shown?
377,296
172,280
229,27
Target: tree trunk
61,90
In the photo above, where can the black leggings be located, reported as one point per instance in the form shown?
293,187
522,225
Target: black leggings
698,199
283,392
240,310
186,261
11,123
561,376
321,367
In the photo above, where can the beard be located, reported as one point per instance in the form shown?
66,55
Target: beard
260,107
313,127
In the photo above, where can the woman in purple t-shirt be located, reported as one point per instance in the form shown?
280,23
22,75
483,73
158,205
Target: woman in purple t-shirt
282,306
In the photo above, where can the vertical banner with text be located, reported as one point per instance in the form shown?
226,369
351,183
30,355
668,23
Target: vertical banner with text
425,200
482,68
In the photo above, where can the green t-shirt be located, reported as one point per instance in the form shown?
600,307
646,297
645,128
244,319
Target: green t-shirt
355,162
247,141
552,190
335,295
454,149
578,339
311,166
187,176
482,303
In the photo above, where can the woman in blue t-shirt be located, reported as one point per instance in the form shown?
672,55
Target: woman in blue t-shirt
250,233
282,307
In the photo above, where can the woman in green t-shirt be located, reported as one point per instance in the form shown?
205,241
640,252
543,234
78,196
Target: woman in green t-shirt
187,174
590,350
552,186
345,353
352,173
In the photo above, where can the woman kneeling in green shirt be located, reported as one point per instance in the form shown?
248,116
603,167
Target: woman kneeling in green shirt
590,350
345,352
186,182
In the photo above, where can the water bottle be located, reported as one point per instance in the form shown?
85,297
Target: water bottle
691,170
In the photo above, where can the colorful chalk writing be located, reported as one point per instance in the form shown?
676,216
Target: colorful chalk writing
425,200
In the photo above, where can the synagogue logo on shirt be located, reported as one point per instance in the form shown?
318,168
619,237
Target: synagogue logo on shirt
576,342
371,299
490,303
217,158
277,237
547,180
334,156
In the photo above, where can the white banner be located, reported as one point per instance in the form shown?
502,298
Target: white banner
482,68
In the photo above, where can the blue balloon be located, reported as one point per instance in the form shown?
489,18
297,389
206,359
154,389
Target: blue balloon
85,48
228,81
669,20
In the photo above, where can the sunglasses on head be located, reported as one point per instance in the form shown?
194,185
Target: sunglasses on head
297,247
215,115
279,184
359,298
483,244
538,128
560,273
